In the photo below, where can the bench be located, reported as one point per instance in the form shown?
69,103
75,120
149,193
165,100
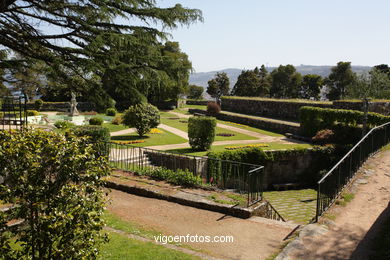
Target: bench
286,186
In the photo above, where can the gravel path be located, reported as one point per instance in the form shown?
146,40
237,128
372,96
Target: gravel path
255,238
350,233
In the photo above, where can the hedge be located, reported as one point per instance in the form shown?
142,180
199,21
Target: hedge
201,132
177,177
98,135
313,119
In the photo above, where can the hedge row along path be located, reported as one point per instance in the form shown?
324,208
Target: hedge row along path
350,234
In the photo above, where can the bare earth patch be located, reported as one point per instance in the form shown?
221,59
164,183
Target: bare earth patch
252,239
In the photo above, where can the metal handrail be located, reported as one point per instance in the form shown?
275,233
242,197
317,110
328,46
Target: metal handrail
350,151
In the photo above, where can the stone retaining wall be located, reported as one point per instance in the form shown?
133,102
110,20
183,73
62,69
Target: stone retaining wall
197,102
376,107
277,127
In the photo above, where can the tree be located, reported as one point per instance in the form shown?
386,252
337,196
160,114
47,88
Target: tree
247,84
338,80
143,117
56,185
252,83
311,86
195,92
201,132
91,38
375,84
218,86
384,68
285,82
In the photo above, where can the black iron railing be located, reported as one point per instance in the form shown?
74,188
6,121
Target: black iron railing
236,176
272,213
332,184
13,114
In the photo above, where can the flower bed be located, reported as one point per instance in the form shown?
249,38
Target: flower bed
245,146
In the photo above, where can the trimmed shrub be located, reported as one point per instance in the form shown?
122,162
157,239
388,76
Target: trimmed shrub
116,120
32,113
58,187
201,132
98,135
62,124
38,104
111,112
96,121
314,119
142,117
178,177
213,108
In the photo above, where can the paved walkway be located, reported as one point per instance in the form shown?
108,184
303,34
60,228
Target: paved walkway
254,238
123,132
356,223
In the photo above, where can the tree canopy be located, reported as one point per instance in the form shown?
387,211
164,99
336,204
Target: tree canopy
195,92
338,80
252,83
285,82
95,36
311,86
375,84
219,85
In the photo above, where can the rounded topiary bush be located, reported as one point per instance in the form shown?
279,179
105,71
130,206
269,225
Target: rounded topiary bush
213,108
201,132
96,121
111,112
62,124
143,117
32,113
38,104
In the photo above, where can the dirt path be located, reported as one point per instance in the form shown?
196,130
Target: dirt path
355,224
253,239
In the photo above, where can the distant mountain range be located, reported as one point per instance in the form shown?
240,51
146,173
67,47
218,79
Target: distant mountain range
202,78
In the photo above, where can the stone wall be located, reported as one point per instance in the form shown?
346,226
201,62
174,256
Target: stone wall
273,126
197,102
381,107
268,107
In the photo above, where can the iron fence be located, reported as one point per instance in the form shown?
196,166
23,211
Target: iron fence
236,176
13,114
272,213
332,184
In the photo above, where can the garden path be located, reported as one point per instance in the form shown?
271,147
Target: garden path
355,225
254,238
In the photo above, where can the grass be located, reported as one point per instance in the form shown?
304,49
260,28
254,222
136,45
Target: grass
249,128
229,199
121,247
115,128
182,124
221,148
296,205
151,139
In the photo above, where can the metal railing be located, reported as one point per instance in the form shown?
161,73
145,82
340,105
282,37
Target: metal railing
13,114
238,177
333,183
272,213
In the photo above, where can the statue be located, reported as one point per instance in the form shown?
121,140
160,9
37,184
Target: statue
73,106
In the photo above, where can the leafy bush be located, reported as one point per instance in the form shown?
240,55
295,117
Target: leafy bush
32,113
116,120
178,177
322,137
62,124
111,112
314,119
213,108
38,104
201,132
98,135
96,121
142,117
58,186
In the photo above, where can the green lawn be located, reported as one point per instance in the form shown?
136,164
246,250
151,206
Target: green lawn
296,205
121,247
115,128
220,148
182,124
151,139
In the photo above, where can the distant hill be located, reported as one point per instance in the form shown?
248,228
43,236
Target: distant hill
202,78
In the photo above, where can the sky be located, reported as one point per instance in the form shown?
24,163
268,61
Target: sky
247,33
